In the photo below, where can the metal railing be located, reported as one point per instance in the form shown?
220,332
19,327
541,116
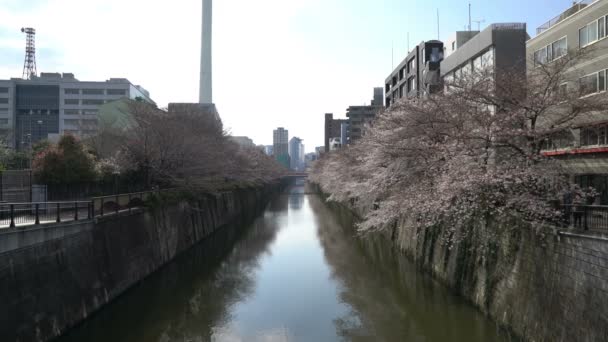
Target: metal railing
586,217
26,214
577,6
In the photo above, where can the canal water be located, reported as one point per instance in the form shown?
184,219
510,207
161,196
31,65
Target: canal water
298,273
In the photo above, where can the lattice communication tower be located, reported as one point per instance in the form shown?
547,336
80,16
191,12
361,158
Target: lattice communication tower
29,66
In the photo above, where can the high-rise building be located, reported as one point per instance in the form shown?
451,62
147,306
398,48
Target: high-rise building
417,74
296,154
206,80
280,141
54,104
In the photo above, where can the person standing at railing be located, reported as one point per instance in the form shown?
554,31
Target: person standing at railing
577,206
567,207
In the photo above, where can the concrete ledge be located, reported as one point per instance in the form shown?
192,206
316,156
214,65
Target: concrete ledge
585,235
16,238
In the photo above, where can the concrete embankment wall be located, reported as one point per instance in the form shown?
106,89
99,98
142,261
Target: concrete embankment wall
50,285
541,284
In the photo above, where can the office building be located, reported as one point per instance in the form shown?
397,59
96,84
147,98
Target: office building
417,74
360,116
280,143
583,149
333,128
53,104
296,154
500,47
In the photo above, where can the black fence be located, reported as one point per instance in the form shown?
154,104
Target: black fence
37,213
82,191
27,214
586,217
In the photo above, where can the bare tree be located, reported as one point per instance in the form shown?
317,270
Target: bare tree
188,148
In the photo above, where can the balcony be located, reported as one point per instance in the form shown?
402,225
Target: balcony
568,13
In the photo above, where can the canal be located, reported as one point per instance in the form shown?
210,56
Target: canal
298,273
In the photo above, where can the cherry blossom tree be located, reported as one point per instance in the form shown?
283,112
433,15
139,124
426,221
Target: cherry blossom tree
471,153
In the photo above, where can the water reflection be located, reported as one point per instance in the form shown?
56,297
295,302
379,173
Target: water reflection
298,273
390,299
184,301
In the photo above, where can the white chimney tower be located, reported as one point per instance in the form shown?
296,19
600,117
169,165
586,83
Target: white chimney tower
206,92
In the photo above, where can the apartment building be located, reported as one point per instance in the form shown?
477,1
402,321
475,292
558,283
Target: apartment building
417,74
583,150
333,129
360,116
54,104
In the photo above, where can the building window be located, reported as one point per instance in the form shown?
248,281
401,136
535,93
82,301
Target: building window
90,102
540,56
3,90
70,122
72,91
411,65
3,122
3,100
3,110
436,55
593,31
89,124
72,102
593,83
411,84
90,112
92,91
117,92
453,46
559,48
71,112
551,52
593,136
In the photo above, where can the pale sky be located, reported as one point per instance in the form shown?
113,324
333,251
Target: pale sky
276,62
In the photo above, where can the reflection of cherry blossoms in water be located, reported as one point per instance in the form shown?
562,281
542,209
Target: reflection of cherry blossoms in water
390,300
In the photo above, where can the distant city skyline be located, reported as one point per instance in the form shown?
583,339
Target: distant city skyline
306,58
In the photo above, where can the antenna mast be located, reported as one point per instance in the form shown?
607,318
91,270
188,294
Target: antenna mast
29,66
469,16
438,35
